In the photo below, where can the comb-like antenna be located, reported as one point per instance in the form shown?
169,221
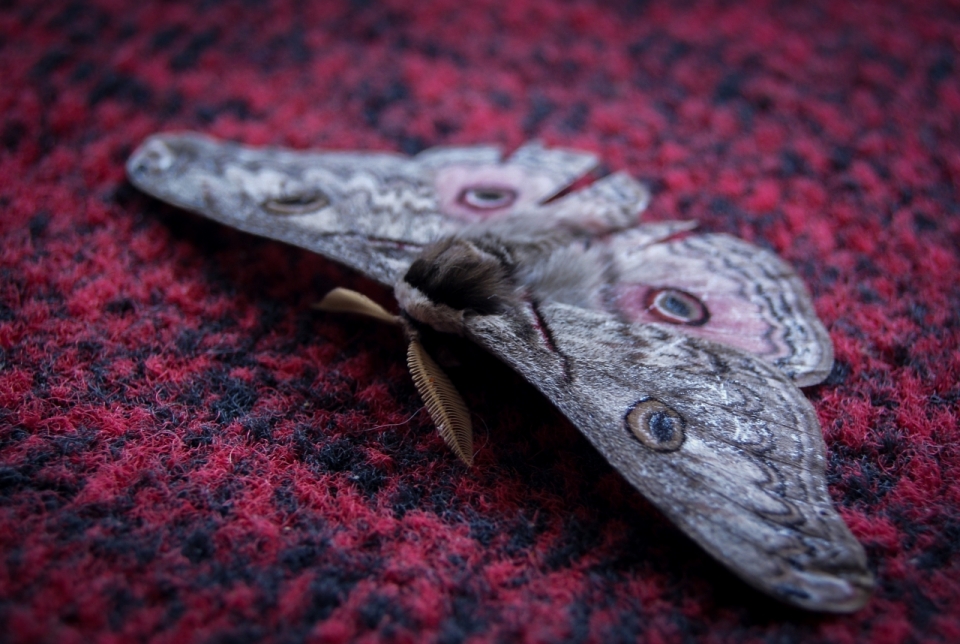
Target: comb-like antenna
443,401
343,300
446,407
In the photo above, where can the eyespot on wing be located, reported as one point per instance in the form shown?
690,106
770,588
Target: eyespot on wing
297,204
675,306
487,197
656,425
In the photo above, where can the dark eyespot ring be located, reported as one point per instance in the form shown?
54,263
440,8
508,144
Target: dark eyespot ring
656,425
487,197
677,307
298,204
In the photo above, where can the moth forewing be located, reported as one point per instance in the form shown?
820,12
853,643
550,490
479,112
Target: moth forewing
704,432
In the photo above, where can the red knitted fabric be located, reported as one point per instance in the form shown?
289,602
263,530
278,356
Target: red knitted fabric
188,453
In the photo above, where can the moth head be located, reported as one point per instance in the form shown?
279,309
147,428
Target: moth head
454,278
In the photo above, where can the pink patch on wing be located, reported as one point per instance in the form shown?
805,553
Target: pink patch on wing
733,320
479,193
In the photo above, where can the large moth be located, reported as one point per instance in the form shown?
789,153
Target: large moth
678,355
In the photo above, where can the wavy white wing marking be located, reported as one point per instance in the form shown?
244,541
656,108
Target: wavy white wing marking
722,442
752,300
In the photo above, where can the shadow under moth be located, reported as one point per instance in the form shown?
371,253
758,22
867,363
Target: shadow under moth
678,355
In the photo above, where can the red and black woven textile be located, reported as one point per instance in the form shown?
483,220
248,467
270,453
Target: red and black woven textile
189,453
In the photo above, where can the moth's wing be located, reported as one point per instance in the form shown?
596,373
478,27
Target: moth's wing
370,211
723,442
529,184
373,212
719,288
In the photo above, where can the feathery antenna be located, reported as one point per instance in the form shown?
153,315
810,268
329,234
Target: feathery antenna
343,300
446,407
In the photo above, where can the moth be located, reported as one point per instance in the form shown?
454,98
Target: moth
678,355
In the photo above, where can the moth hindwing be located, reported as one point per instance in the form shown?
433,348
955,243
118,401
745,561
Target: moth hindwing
678,355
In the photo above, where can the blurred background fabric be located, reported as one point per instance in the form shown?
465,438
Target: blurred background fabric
189,453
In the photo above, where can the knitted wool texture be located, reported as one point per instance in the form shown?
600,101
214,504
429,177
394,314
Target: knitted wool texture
189,453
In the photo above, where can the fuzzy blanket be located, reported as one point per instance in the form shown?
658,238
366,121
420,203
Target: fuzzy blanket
189,453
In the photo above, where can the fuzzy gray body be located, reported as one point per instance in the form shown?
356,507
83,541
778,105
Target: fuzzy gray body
678,357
